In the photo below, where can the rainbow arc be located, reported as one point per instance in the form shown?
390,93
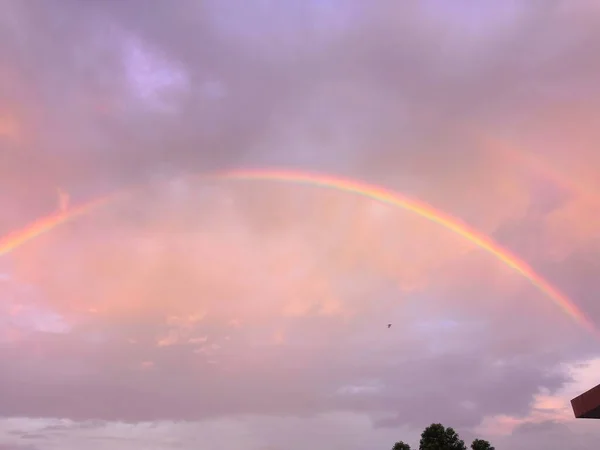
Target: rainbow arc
374,192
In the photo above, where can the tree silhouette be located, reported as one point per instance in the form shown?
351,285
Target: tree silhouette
438,437
480,444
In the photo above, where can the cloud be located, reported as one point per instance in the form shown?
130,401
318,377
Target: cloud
156,292
17,447
238,308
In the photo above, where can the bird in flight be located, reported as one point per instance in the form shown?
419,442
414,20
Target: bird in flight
389,325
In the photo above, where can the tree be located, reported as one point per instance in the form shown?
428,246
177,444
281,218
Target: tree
438,437
401,446
480,444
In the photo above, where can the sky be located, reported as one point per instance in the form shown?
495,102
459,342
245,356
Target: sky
225,313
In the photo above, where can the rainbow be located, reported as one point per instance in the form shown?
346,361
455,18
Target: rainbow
377,193
41,226
517,155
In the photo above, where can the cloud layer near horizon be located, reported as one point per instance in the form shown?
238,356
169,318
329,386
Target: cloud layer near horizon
233,312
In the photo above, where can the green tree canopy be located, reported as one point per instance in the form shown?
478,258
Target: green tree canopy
480,444
438,437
